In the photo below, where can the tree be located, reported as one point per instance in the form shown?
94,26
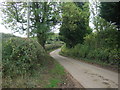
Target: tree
74,24
113,15
110,11
14,16
95,11
43,16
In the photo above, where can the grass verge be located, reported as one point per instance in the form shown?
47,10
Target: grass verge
50,76
40,70
57,74
93,62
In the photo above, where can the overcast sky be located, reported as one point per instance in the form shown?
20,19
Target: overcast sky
4,30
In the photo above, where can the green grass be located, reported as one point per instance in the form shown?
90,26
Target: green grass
44,71
49,76
58,69
53,83
57,76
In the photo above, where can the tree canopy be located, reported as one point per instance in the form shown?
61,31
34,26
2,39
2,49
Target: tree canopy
110,11
43,16
74,24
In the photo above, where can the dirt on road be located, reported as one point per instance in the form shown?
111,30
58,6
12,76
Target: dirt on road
89,76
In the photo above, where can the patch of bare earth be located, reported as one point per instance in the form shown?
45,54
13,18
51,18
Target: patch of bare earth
70,82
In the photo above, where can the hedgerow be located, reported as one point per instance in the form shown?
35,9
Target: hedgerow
21,56
101,45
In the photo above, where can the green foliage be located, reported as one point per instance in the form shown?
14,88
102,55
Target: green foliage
53,83
53,37
42,15
74,24
21,56
53,42
106,35
113,14
58,70
57,73
27,65
53,46
103,55
14,17
6,36
101,45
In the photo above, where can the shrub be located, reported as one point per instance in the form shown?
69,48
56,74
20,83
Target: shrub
50,47
114,57
102,45
105,55
91,55
21,56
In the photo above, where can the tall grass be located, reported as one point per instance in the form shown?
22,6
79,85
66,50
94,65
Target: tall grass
100,55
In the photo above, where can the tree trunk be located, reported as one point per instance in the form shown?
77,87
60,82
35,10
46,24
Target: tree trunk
41,40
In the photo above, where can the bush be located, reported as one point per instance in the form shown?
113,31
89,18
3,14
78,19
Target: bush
50,47
102,45
114,57
21,56
91,55
104,55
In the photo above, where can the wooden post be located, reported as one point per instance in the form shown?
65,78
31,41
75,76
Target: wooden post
28,17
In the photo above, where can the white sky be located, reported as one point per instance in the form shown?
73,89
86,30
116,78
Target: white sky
4,30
